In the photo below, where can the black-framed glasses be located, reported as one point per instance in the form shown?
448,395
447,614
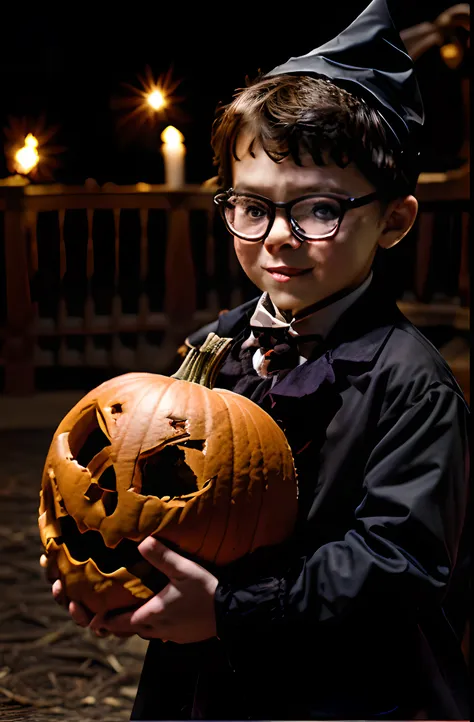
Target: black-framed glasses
311,217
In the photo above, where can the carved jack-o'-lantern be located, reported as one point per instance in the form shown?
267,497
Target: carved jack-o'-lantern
205,470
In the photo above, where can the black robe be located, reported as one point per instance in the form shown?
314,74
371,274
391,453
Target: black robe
348,619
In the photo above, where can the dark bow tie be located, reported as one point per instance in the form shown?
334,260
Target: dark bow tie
280,348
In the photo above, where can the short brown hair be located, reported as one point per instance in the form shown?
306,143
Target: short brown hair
294,114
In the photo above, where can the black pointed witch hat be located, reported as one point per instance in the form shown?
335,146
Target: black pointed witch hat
370,61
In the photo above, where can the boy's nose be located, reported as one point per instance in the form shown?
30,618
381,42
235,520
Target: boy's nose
280,233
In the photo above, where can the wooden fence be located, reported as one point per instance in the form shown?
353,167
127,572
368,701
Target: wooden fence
115,277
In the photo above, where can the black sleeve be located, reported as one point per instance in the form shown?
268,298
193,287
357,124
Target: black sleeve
403,544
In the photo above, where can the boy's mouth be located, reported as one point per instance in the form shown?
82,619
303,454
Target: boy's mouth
284,273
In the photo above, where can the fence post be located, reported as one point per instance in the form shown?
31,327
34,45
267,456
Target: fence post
19,342
423,254
180,277
464,275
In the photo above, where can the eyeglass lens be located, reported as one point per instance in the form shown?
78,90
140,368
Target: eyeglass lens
314,216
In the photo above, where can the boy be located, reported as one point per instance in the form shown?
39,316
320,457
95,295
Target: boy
317,165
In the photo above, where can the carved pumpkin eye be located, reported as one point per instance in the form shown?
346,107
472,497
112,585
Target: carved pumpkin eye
92,445
89,447
172,471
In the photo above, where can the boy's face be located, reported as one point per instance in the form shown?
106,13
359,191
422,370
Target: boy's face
327,266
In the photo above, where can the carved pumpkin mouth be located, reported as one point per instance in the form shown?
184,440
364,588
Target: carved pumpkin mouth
90,545
83,546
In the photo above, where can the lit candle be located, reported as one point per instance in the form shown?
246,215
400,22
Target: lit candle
27,157
173,151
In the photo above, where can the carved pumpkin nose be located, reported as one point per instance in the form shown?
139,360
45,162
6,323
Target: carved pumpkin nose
105,489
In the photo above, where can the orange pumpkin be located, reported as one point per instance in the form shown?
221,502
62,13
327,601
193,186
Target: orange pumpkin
205,470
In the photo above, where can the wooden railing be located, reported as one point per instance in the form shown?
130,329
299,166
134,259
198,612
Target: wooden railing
115,277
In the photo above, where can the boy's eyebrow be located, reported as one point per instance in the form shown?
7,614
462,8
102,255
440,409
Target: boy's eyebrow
248,188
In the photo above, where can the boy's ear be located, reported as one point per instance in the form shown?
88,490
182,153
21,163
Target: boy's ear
398,219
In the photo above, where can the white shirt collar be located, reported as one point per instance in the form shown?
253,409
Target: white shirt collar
320,322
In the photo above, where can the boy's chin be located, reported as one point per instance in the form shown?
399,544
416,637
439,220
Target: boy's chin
286,303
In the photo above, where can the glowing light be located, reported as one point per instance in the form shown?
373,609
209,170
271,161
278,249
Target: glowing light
172,137
27,157
143,187
153,101
451,54
24,138
156,100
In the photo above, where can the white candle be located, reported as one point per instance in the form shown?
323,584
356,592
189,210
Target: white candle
173,151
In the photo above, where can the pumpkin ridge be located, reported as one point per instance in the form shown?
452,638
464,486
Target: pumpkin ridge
229,407
211,516
262,489
119,442
159,398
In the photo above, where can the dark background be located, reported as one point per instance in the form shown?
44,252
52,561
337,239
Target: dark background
71,68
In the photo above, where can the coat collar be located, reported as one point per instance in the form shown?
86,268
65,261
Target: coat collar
352,357
351,347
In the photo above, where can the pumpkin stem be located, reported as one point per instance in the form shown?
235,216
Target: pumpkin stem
201,365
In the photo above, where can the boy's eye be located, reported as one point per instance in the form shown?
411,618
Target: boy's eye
249,208
255,211
326,211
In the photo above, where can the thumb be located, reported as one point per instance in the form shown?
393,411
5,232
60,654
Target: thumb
173,565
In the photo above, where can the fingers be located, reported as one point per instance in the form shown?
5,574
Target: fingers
59,593
150,621
149,613
80,614
57,589
173,565
83,617
118,625
125,624
50,567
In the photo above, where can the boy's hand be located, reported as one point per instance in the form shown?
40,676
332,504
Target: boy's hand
182,612
79,614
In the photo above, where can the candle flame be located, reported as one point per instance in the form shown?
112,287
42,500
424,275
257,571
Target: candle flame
172,137
27,157
24,137
31,141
